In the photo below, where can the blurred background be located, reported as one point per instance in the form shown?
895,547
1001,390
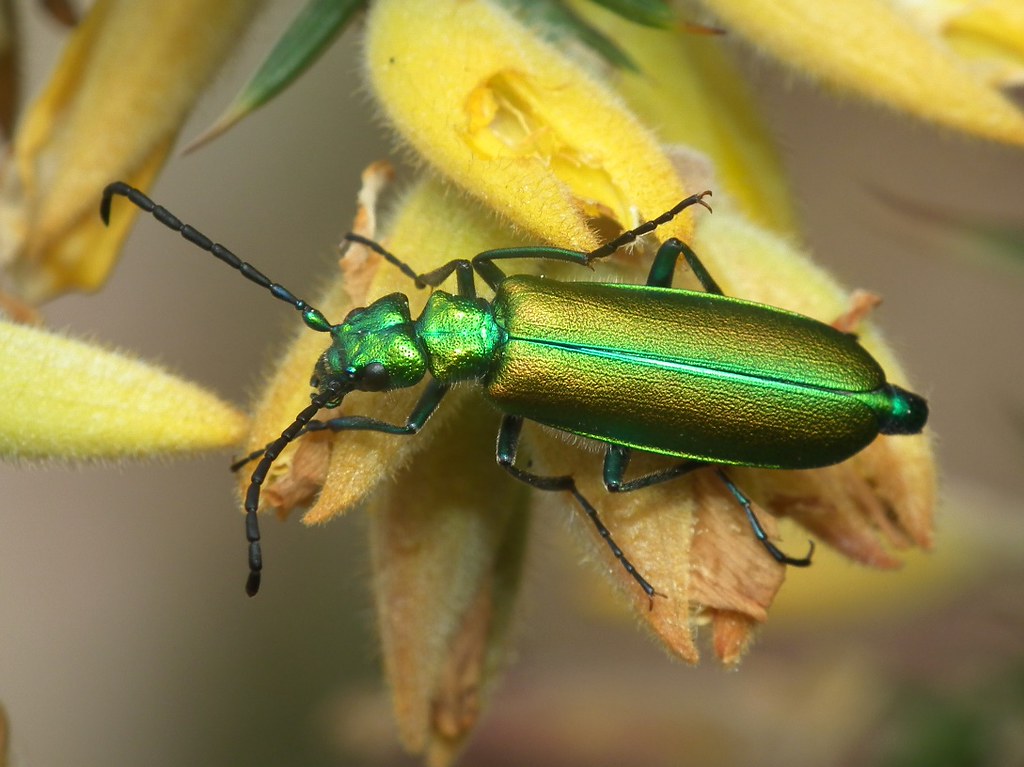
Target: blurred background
125,636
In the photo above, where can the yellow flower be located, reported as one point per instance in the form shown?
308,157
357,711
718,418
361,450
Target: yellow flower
69,400
531,135
128,78
903,54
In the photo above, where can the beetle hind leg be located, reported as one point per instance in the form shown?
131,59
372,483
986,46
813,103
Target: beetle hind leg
616,460
508,444
755,524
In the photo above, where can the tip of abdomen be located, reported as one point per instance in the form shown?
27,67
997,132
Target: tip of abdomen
908,412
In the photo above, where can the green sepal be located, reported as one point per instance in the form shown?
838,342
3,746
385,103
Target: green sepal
308,36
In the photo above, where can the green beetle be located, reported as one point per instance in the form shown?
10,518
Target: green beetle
698,376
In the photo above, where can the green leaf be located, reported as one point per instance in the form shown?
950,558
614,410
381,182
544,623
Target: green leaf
556,22
650,13
309,35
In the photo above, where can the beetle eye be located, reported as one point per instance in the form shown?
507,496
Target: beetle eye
374,377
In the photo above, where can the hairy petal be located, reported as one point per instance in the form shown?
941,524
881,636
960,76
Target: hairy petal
513,121
869,48
69,400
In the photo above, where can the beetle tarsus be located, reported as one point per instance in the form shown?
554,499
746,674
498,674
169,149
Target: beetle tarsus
748,507
508,445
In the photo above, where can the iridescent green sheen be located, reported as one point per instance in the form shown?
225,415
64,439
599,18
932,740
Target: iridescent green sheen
380,333
460,336
694,375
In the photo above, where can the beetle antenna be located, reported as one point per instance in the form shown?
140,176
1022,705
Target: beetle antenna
311,316
249,458
259,475
648,226
390,257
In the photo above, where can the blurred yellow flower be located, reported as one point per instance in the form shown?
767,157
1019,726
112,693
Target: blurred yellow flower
903,54
68,400
127,80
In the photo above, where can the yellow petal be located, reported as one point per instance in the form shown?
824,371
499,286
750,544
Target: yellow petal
515,123
447,539
868,47
989,35
128,78
65,399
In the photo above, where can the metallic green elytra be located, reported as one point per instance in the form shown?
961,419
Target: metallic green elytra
687,374
698,376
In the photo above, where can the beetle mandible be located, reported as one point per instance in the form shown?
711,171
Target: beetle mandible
699,376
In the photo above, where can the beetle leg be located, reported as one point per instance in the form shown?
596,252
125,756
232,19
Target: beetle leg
648,226
424,409
432,279
664,266
759,532
508,444
617,459
250,458
484,264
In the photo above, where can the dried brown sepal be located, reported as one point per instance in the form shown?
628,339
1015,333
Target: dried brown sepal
306,475
447,541
732,634
730,569
862,304
654,527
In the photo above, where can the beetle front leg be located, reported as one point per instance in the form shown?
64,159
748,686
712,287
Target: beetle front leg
424,409
508,445
462,268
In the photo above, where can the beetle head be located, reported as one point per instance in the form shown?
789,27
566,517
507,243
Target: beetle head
374,349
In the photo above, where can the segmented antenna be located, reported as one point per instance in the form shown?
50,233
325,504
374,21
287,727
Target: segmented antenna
311,316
